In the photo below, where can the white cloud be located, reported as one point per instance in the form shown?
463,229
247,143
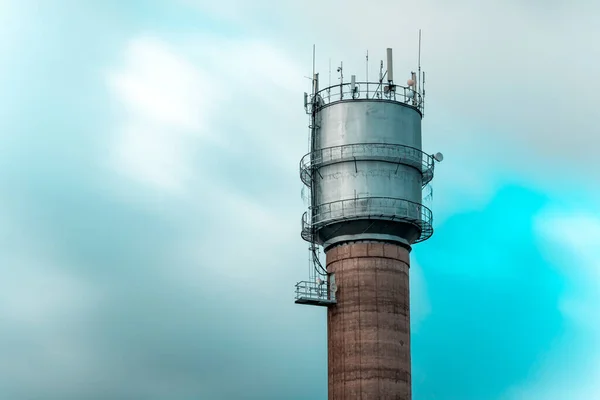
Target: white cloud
160,85
153,156
263,79
167,105
180,98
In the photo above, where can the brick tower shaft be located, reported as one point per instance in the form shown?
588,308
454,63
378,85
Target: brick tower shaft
369,328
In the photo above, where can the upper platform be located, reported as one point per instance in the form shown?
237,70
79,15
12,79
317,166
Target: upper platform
366,91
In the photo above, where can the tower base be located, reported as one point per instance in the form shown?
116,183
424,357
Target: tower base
369,328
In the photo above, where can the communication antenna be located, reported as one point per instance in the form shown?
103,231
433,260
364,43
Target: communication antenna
390,68
419,81
312,98
329,86
423,96
415,90
367,80
341,71
315,78
377,92
313,71
439,157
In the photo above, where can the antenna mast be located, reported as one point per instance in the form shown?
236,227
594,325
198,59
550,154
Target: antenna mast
367,80
341,71
313,71
367,64
419,80
329,86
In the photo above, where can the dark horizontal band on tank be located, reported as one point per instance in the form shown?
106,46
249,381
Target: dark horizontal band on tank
385,152
368,208
370,91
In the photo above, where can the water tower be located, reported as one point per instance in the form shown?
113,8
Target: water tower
364,175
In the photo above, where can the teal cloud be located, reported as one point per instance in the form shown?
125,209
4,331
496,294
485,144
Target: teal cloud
494,301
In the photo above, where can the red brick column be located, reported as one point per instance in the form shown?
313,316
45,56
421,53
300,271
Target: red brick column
369,328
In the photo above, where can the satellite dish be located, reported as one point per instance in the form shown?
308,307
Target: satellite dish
439,157
410,82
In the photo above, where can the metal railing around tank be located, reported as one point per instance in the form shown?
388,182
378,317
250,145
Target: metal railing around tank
383,208
393,153
368,91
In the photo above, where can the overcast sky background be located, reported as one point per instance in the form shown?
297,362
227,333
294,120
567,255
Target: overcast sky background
150,200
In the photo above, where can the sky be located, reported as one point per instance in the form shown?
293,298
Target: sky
150,201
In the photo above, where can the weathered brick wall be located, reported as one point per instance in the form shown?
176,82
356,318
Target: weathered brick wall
369,328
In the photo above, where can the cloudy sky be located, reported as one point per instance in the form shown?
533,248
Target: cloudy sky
150,200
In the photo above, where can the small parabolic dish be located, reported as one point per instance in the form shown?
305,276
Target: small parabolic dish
439,157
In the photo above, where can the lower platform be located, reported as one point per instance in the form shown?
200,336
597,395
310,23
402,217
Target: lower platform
315,294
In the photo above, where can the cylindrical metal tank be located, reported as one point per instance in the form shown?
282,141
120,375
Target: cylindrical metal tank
366,172
370,131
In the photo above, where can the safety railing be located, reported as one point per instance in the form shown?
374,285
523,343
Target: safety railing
366,91
308,229
393,153
384,208
316,293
